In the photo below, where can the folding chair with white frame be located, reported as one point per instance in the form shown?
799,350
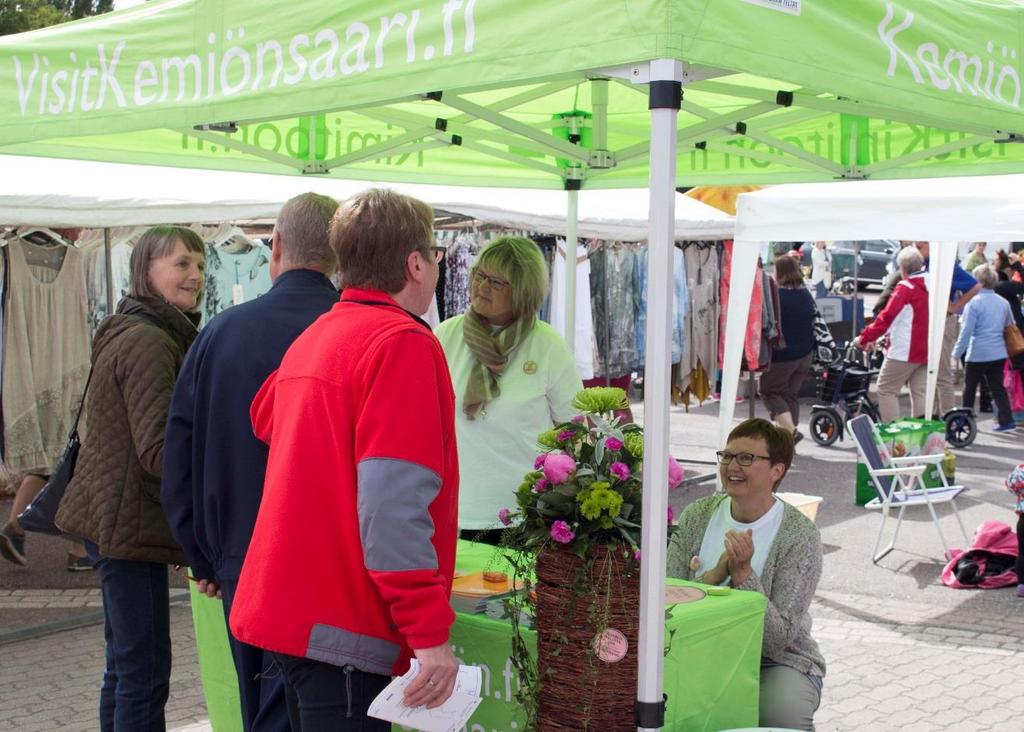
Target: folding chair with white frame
898,481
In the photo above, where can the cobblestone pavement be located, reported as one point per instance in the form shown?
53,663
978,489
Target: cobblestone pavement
48,599
893,665
52,683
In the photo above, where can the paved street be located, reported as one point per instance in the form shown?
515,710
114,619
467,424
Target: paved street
903,651
51,683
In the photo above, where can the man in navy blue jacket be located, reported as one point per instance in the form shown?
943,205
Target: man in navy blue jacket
213,464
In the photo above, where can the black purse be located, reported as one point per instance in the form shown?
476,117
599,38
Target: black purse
825,351
40,514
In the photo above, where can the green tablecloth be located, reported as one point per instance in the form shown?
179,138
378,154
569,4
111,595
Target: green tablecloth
711,669
216,668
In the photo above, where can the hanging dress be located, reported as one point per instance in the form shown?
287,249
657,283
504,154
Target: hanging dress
585,350
46,356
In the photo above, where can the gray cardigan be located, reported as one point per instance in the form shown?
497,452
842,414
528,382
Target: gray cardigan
790,577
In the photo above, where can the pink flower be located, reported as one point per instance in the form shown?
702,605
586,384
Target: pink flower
637,555
671,515
566,435
561,532
558,468
619,470
505,517
542,485
538,462
613,444
579,419
675,474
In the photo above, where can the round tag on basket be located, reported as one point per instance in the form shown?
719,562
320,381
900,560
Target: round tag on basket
610,645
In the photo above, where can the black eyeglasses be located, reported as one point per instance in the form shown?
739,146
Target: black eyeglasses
493,282
746,459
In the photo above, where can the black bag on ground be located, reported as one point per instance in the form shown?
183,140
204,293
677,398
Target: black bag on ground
40,514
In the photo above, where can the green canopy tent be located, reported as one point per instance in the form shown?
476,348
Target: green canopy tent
569,94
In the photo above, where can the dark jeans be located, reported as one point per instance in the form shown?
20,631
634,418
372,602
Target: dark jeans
260,684
991,372
326,698
137,631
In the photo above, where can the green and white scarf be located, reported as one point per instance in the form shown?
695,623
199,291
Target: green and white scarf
492,350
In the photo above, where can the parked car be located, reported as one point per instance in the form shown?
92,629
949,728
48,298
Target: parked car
877,258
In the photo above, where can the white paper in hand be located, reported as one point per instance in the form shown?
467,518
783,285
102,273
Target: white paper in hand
449,717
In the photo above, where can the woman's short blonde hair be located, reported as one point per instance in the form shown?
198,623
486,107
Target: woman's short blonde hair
520,262
153,244
986,276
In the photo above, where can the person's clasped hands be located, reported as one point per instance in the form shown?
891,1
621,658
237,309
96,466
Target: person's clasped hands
734,562
739,550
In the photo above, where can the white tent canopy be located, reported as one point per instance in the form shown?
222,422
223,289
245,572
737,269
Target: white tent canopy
939,210
58,192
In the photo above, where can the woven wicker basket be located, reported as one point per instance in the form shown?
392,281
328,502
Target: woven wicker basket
579,690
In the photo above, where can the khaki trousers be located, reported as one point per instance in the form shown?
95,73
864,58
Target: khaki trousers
945,387
891,379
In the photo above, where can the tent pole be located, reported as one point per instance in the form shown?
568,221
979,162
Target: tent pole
665,100
599,102
940,280
108,267
607,318
741,284
570,269
856,287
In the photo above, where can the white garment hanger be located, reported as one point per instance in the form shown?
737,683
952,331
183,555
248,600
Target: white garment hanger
49,236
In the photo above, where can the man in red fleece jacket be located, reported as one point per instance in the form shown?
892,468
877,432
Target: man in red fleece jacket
905,319
351,561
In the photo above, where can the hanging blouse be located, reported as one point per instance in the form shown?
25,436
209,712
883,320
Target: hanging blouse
680,307
96,279
46,355
585,352
248,271
458,262
615,296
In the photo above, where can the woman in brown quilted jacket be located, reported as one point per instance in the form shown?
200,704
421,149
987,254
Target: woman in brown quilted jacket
113,501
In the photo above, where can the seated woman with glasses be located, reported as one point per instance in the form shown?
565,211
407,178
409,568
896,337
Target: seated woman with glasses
749,539
514,377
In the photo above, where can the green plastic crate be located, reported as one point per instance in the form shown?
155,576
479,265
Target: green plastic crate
902,438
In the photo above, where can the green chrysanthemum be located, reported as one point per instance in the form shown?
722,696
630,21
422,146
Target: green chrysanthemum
635,444
548,439
524,493
598,498
600,399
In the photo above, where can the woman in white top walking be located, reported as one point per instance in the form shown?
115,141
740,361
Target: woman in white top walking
821,269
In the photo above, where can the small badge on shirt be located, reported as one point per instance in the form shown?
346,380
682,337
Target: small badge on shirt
530,367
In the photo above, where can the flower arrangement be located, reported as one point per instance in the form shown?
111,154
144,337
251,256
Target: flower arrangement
586,485
574,534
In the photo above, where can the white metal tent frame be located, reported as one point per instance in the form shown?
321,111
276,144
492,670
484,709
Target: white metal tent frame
661,80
